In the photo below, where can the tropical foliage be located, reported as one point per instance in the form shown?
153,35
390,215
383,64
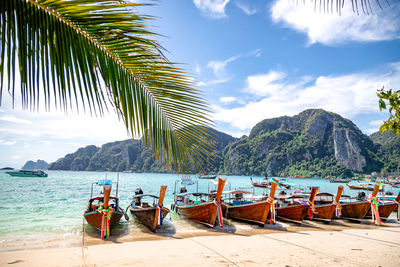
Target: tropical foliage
100,55
306,144
391,99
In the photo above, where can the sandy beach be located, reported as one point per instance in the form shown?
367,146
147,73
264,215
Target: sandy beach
316,244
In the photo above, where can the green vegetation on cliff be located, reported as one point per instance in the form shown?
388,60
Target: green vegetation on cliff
314,143
389,150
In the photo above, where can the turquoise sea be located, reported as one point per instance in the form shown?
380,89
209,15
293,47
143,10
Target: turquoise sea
46,211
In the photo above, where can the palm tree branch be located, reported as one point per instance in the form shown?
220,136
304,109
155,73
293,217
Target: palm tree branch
155,99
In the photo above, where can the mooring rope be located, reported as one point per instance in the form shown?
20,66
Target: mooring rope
83,241
213,250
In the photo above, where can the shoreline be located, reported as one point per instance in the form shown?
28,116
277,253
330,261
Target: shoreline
306,238
368,245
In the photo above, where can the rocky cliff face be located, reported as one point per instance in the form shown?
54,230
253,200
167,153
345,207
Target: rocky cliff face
347,150
129,155
314,142
38,165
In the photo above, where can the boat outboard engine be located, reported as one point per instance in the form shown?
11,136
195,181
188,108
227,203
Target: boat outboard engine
183,190
361,196
137,201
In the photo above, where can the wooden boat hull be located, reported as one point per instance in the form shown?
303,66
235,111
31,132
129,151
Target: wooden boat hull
355,210
255,212
324,212
384,211
204,213
295,213
146,216
94,218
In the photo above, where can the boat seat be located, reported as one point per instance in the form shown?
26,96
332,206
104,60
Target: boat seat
145,205
238,202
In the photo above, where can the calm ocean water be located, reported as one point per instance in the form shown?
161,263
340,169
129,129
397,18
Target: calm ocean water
40,209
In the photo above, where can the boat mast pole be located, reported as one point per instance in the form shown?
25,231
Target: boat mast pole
339,193
163,189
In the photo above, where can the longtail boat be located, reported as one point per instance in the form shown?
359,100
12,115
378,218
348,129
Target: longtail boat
103,211
250,209
339,180
295,212
386,207
326,206
357,210
267,184
361,186
149,215
201,211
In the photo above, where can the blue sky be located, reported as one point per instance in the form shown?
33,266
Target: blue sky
252,60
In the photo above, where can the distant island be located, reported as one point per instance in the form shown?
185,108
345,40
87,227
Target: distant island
38,165
313,143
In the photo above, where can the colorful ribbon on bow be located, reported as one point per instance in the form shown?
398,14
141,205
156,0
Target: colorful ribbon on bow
374,209
219,210
382,187
280,186
338,209
105,220
160,218
310,206
398,209
272,207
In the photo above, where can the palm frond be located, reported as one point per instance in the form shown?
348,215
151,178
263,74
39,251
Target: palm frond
97,54
358,6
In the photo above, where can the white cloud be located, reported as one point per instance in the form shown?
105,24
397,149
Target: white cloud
265,84
332,28
246,8
347,95
213,82
256,53
374,127
376,123
218,66
227,99
212,8
7,143
10,118
197,69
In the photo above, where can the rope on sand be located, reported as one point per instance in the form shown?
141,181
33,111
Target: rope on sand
83,241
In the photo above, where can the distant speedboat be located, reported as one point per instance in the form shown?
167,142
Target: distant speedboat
208,176
28,173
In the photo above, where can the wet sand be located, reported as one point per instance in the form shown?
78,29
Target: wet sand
183,243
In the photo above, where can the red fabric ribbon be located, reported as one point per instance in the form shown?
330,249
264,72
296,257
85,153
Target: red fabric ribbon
219,210
272,207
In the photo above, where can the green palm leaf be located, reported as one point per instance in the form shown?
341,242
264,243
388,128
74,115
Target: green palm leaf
358,6
99,54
